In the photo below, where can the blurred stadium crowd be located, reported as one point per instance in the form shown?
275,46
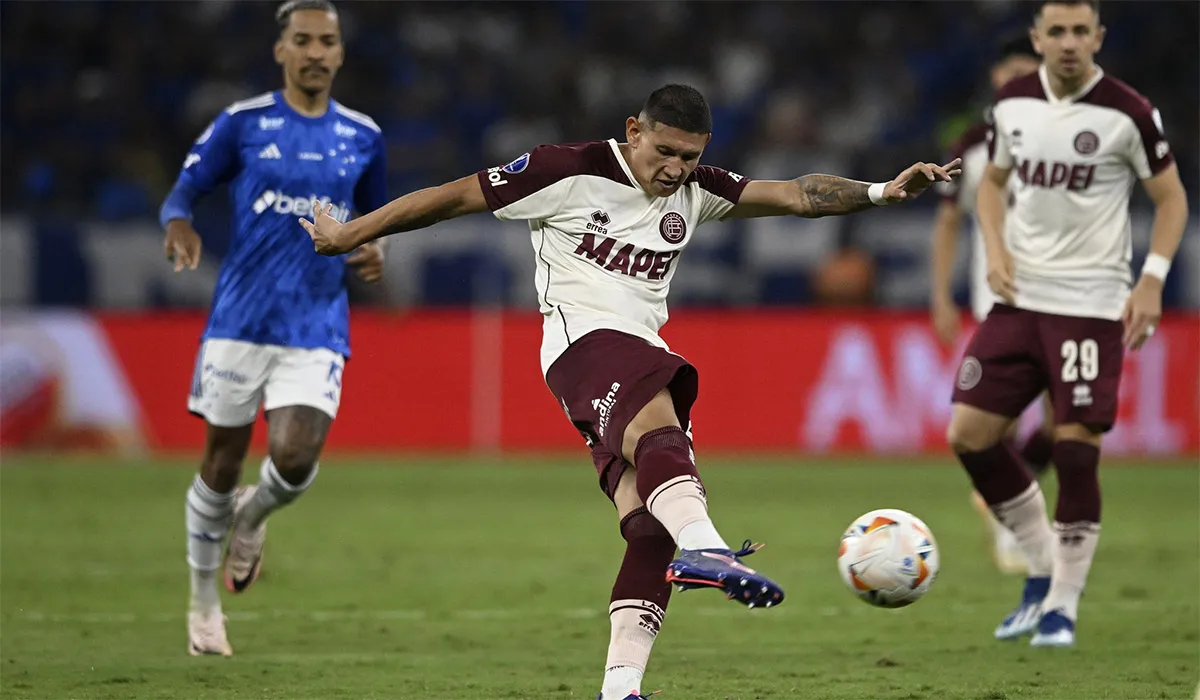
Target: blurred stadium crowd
102,99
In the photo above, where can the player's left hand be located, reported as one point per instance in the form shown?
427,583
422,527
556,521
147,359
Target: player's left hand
1143,310
369,261
326,231
918,177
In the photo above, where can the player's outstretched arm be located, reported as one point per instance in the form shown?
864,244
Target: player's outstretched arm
1144,307
813,196
989,207
413,211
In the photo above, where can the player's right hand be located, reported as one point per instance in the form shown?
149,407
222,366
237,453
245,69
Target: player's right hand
946,321
1001,278
182,244
325,231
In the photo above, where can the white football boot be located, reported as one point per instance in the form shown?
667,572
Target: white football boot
206,634
243,558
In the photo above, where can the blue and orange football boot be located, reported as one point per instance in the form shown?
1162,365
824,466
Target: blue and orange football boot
722,568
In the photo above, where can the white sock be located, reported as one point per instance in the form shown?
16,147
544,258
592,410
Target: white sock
273,493
1074,549
681,506
635,626
207,515
1005,539
1025,515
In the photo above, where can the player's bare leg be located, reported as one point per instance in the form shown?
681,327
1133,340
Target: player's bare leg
639,595
295,437
976,436
1077,526
208,514
1038,448
669,484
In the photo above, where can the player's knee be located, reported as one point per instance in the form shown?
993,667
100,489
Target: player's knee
963,437
974,430
295,459
639,524
1088,433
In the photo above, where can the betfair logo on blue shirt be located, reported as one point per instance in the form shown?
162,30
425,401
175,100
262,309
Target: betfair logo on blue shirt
298,205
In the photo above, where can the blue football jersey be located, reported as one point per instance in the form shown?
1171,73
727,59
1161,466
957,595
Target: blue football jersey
273,288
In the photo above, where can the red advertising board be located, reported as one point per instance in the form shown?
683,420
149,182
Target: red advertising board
786,381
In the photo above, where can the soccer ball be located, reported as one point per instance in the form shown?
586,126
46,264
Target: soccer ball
888,558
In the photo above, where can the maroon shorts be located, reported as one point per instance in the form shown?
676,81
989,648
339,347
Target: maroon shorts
1016,354
604,379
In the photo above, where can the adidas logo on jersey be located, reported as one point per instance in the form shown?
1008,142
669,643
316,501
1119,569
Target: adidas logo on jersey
271,152
298,205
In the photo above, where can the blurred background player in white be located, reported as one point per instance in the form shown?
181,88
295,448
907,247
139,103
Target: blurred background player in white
608,221
1015,58
1059,260
277,332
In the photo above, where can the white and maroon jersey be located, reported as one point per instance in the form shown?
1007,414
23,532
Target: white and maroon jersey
973,149
605,249
1075,162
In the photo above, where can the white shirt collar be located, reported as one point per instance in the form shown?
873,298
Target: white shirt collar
1073,97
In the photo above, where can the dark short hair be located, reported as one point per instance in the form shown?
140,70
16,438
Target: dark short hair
1094,4
1015,45
284,14
680,106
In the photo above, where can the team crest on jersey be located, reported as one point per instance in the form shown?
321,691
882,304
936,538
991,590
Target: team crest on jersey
969,373
517,165
672,227
1086,142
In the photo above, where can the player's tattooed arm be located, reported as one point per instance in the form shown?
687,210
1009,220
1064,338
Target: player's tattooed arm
809,196
816,195
829,195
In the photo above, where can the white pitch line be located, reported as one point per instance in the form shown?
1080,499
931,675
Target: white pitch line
501,614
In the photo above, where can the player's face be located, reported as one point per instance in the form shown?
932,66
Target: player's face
662,157
310,50
1012,68
1067,37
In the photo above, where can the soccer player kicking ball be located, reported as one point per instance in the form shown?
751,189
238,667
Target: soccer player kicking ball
277,333
608,222
1059,262
1015,58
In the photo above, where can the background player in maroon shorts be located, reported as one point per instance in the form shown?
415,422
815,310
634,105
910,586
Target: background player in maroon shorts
608,221
1014,59
1059,261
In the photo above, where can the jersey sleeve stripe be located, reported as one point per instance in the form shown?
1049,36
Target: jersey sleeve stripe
358,117
265,100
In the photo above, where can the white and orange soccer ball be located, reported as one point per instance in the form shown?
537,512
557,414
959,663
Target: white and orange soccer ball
888,558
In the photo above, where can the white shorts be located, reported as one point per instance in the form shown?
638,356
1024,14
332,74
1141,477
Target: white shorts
233,377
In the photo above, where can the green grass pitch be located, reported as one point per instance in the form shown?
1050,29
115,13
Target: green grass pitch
440,579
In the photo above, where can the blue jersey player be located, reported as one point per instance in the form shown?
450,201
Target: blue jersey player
278,331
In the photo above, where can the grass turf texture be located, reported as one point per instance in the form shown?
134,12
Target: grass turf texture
467,579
